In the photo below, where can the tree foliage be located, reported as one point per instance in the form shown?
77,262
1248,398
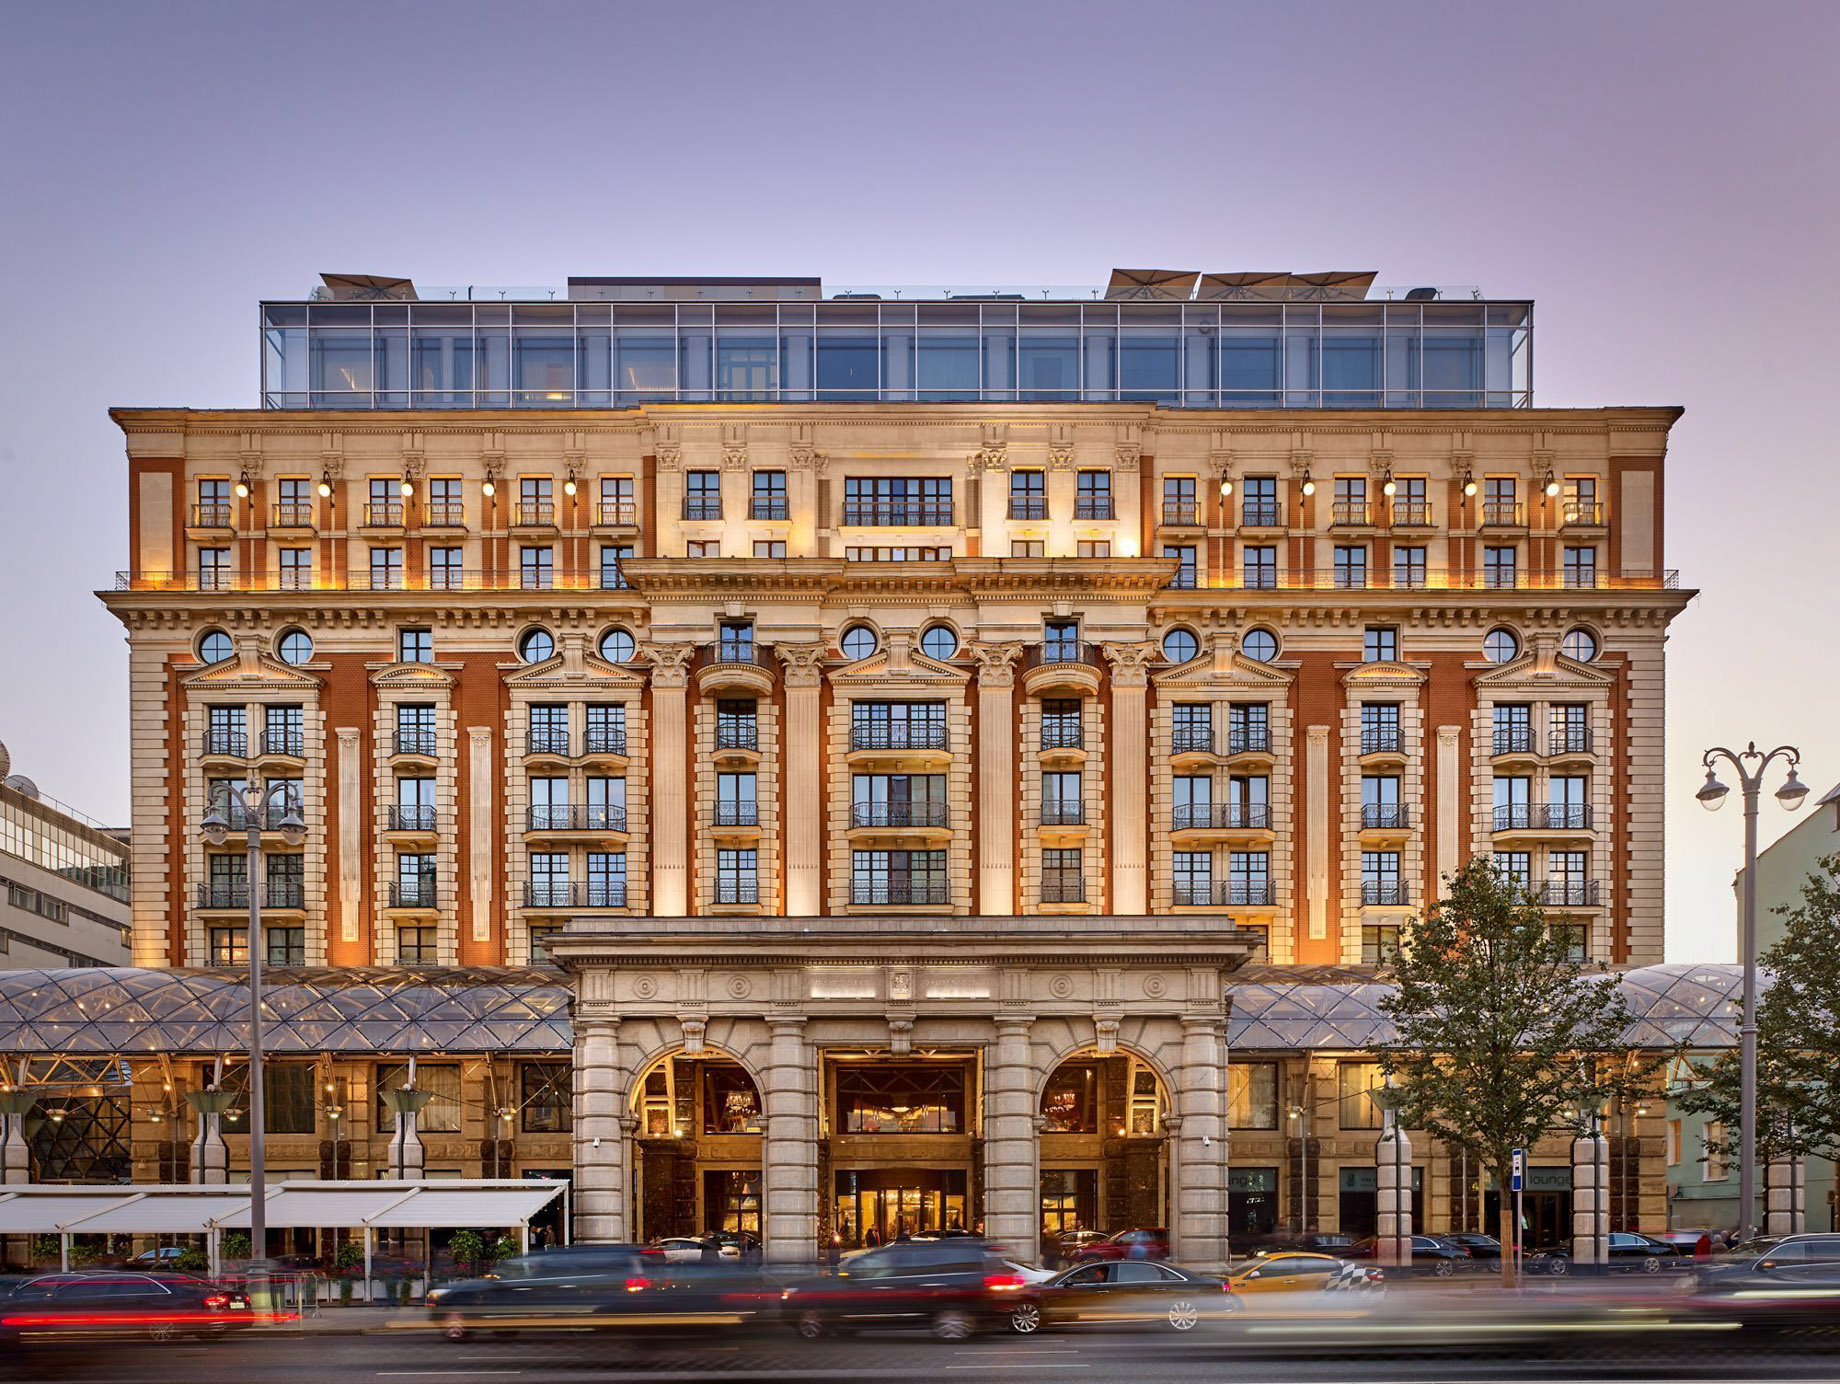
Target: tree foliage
1798,1035
1499,1032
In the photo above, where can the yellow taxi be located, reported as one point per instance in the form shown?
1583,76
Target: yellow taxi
1319,1281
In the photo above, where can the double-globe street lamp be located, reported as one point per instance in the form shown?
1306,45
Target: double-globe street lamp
256,804
1749,765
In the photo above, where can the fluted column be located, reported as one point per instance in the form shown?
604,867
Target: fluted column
1199,1174
672,791
602,1081
996,772
1130,759
805,797
1012,1184
789,1151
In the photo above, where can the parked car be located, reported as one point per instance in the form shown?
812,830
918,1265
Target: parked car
1629,1253
1701,1244
116,1302
162,1257
953,1287
1430,1254
1297,1272
1141,1242
686,1249
1125,1293
1484,1249
736,1244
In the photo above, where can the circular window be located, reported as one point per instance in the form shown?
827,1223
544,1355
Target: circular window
215,647
1261,644
536,645
1180,645
1501,646
939,642
858,641
295,646
1580,644
617,646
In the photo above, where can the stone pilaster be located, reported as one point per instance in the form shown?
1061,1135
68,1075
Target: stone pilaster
602,1080
804,825
1198,1175
1449,856
1130,748
1011,1179
1590,1199
670,785
789,1152
352,855
1316,832
1785,1196
481,774
996,800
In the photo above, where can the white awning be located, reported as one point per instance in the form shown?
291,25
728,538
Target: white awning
24,1212
161,1213
428,1204
453,1207
301,1205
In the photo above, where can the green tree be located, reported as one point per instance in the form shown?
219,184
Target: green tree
1500,1035
1798,1035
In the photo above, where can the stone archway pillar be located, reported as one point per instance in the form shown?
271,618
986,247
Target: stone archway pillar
1198,1173
1012,1178
603,1080
789,1152
1785,1195
1591,1198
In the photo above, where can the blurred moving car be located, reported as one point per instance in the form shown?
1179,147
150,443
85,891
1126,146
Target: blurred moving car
1629,1253
533,1289
1791,1281
1431,1254
1484,1249
114,1302
1029,1272
736,1244
1123,1293
954,1287
162,1257
1315,1242
1701,1244
1140,1242
1306,1273
687,1249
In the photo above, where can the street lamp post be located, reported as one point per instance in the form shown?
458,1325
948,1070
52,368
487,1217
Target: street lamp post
216,831
1749,765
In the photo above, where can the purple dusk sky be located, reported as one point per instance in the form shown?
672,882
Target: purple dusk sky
1661,177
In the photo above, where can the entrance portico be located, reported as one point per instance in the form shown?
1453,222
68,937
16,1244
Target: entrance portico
903,1063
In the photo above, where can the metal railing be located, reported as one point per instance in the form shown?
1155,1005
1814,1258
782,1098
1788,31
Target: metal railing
422,892
896,513
575,893
414,742
1094,507
1584,514
738,735
1063,813
1387,893
1222,893
1571,740
1513,740
1063,735
1261,514
900,893
736,891
1412,514
1063,890
726,651
1221,816
1543,817
1249,740
1061,651
1503,514
1568,893
551,740
535,514
1028,507
1352,513
899,815
284,740
1182,513
412,817
1386,816
617,514
1186,578
1191,740
291,514
702,507
910,735
228,893
267,818
575,817
225,742
1382,740
383,514
211,516
603,740
735,815
767,507
444,514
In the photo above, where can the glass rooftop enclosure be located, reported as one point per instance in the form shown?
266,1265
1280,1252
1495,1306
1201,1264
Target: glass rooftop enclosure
1175,339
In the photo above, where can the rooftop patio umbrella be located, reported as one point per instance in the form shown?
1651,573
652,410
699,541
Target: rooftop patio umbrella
1164,285
1335,285
1253,283
360,286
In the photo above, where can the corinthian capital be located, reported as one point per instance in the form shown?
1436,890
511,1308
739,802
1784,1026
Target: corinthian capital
1129,662
670,663
996,663
804,663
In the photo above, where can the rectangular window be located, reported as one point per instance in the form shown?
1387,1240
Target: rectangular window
283,730
1179,503
736,878
702,494
903,1098
214,569
1351,500
545,1091
1061,724
1410,507
617,508
288,1098
1380,643
769,547
613,578
767,499
735,642
1193,878
1673,1143
1409,571
1260,565
446,571
1714,1151
1513,728
1498,568
1093,495
1031,547
1186,576
1581,569
1091,547
1350,567
1060,642
287,946
549,733
898,800
536,568
606,729
294,568
1028,495
1570,729
229,946
1380,730
445,508
536,500
1248,878
1515,866
607,878
1063,880
910,554
415,646
897,500
1061,800
736,802
731,1105
708,547
898,878
441,1115
386,569
1248,727
897,725
1379,944
1355,1085
417,945
1252,1095
1258,506
737,725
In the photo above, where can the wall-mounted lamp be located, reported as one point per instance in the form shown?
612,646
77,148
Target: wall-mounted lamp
325,485
488,488
1552,485
407,487
1469,484
568,486
242,486
1388,486
1309,484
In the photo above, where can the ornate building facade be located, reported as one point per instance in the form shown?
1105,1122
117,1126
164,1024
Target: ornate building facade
913,714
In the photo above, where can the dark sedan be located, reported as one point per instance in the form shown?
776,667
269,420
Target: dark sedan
1629,1253
120,1302
1431,1254
953,1287
1792,1281
1484,1249
1126,1292
1140,1242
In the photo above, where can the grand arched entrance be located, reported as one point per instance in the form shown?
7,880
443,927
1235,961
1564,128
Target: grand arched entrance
1104,1163
697,1147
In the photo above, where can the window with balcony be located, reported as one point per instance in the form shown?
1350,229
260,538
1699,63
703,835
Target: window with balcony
1061,724
1248,728
536,500
549,803
1093,495
898,800
1380,643
1062,803
214,508
293,503
606,729
1187,575
1252,1095
1258,503
1570,728
1192,799
549,880
1063,880
1379,944
1581,569
1410,507
1259,566
735,642
1350,566
536,567
613,578
386,568
1380,728
1581,505
1568,881
415,646
1351,500
1513,728
1248,878
895,501
415,880
767,498
1191,728
606,880
737,877
216,571
737,725
1513,867
414,809
549,729
898,878
1409,570
617,505
1028,495
1513,802
226,731
702,495
446,568
606,803
1380,805
1248,801
294,568
1092,547
1499,569
1380,882
1192,878
415,728
384,508
897,725
1027,547
445,506
1179,503
1060,642
284,731
1568,799
737,800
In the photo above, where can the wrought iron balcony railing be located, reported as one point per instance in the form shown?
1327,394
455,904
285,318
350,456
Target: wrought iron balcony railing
1222,893
412,817
421,892
575,817
1412,514
1569,893
892,735
234,893
1571,740
291,514
1063,891
767,507
234,743
1063,812
415,741
1503,514
211,516
702,508
603,740
284,740
900,893
736,815
1352,514
539,893
897,513
1063,734
736,891
1543,817
1261,514
618,514
1513,740
1386,816
1386,893
1191,740
738,735
1222,816
1093,507
383,514
550,740
899,815
1382,740
535,514
1182,513
444,514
